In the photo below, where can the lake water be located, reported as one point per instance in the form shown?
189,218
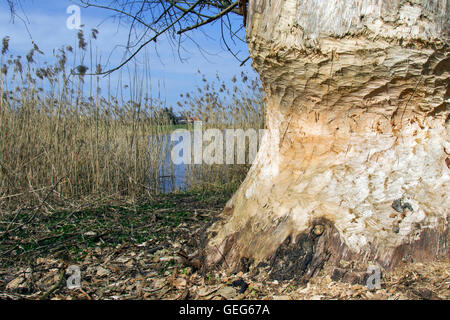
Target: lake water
171,177
177,177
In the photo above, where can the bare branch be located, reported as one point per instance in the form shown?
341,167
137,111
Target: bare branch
218,16
134,17
154,18
148,41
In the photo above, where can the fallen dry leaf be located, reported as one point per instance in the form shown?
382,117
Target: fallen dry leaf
227,292
180,283
15,284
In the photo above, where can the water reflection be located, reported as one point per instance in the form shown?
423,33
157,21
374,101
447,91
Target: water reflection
171,177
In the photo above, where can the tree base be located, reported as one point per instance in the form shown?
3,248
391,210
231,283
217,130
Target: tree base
321,247
364,199
354,166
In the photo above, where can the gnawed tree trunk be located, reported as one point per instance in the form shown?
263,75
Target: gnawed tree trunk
355,163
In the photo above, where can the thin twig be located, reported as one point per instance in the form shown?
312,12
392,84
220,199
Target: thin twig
7,231
243,62
56,286
145,43
217,16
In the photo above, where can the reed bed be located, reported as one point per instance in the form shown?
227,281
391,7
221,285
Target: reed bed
66,138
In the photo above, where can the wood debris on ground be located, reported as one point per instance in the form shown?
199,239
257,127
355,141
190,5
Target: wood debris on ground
131,272
158,265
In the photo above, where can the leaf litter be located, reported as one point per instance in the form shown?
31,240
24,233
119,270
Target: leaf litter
147,259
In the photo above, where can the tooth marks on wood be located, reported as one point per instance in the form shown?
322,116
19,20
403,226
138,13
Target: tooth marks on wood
430,245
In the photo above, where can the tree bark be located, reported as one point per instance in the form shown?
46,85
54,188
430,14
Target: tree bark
355,163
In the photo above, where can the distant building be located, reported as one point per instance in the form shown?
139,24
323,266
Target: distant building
185,120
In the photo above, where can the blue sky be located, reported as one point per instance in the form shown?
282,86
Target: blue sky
46,24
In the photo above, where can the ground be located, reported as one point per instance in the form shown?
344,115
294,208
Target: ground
145,251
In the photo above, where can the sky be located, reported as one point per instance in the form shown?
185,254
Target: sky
45,23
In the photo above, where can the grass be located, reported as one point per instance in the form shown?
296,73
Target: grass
72,232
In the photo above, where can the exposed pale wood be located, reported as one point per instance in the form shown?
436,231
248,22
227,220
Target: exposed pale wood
357,116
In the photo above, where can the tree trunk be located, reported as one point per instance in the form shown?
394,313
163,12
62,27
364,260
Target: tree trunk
355,163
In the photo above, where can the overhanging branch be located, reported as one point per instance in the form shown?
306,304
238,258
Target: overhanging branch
218,16
147,42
